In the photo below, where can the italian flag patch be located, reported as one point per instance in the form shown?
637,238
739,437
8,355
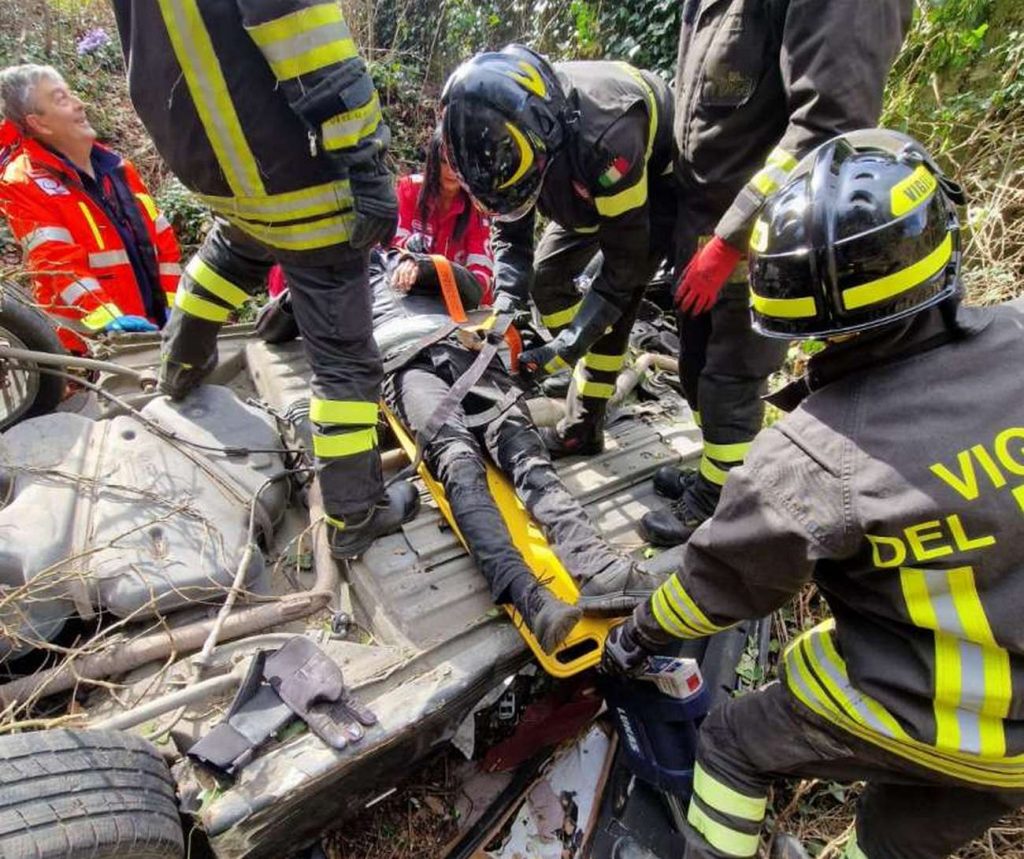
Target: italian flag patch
616,170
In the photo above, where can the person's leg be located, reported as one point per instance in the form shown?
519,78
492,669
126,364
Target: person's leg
225,271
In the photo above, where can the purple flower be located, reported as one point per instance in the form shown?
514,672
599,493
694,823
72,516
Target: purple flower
92,41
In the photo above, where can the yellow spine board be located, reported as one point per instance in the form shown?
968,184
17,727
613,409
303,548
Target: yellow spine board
583,646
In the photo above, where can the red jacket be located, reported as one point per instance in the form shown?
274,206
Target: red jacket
472,249
80,267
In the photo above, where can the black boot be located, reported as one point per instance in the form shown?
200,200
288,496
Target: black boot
400,503
177,379
672,482
672,525
577,444
557,385
618,589
785,846
547,617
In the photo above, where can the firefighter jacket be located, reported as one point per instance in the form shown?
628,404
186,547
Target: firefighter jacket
263,108
471,248
81,269
619,146
760,83
897,486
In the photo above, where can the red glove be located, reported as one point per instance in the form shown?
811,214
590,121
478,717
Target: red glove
705,276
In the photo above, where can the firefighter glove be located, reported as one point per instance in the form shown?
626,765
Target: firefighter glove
373,192
129,325
535,364
705,276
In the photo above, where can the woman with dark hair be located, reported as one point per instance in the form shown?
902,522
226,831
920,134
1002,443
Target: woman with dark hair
436,216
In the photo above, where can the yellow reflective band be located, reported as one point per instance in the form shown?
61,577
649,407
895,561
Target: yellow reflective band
725,799
712,472
684,605
783,308
301,237
668,620
344,444
101,317
900,281
586,231
298,205
341,412
530,78
555,364
170,298
765,182
727,452
560,317
92,225
337,523
193,305
210,94
631,198
782,159
604,363
313,59
148,205
215,284
304,41
696,417
346,129
913,191
597,390
853,850
306,20
525,155
725,840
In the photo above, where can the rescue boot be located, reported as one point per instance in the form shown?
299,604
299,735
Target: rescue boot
587,443
672,525
177,379
786,846
672,482
545,615
618,589
349,539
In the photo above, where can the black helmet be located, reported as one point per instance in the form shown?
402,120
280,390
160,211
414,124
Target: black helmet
503,122
864,233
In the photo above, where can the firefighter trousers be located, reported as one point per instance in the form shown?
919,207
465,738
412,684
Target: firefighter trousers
724,367
456,456
904,812
561,256
332,305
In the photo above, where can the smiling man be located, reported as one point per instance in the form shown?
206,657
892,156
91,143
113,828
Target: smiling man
101,256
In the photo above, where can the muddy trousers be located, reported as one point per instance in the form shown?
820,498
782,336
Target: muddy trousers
457,458
904,812
332,306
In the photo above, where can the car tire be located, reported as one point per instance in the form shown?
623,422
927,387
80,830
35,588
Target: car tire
68,794
23,326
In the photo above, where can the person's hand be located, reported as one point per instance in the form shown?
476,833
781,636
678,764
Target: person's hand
504,304
624,655
373,194
129,325
535,364
705,276
403,278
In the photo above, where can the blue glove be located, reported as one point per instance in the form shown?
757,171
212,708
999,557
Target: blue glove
130,325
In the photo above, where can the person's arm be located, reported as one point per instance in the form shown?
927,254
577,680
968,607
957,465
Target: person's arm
476,241
513,243
59,267
168,252
408,193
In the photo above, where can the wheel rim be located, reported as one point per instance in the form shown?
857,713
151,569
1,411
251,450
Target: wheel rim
18,387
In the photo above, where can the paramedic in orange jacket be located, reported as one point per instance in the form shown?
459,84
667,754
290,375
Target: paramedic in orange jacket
101,257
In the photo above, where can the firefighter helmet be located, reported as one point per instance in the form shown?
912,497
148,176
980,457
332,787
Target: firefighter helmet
864,233
503,123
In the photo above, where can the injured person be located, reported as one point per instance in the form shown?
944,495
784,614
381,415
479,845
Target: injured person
422,364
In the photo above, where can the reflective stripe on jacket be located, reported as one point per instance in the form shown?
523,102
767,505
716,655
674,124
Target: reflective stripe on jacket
260,107
899,489
80,268
760,83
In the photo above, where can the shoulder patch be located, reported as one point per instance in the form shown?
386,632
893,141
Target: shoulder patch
51,187
614,172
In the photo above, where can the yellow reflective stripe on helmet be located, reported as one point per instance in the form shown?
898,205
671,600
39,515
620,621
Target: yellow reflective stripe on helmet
101,317
346,129
724,839
585,388
900,281
529,78
215,284
344,444
631,198
301,237
305,40
193,305
759,236
783,308
148,205
341,412
712,472
725,799
560,317
210,94
727,452
687,609
525,156
853,850
604,363
84,209
916,189
309,202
